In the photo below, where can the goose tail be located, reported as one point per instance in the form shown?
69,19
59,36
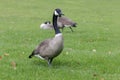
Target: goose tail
32,54
74,25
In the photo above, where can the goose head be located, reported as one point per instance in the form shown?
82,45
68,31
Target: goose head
47,22
46,25
58,12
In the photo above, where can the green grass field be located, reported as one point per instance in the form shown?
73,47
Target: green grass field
91,52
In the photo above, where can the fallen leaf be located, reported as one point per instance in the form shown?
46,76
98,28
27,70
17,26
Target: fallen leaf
109,52
13,64
0,57
6,54
94,50
94,74
102,79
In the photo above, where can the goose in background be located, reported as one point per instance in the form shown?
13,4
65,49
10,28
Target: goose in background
46,25
50,48
62,22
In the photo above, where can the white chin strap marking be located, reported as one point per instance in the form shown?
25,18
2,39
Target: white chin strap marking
56,13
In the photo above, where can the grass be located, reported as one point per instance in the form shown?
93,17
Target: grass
91,52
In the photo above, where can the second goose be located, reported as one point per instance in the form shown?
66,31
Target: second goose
62,22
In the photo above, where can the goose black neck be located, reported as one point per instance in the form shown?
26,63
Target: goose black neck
57,31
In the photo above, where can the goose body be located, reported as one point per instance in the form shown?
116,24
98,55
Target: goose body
66,21
50,48
61,21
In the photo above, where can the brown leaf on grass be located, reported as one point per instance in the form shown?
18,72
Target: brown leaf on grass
0,57
13,64
94,74
6,54
102,79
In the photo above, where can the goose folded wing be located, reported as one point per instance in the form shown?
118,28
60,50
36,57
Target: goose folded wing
65,21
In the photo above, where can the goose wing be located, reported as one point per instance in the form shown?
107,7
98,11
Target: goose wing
43,45
65,21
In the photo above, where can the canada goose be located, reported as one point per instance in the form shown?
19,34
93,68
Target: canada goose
50,48
62,22
46,25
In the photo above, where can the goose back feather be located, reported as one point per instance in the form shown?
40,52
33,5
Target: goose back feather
66,21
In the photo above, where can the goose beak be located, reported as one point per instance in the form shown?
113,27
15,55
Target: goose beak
61,14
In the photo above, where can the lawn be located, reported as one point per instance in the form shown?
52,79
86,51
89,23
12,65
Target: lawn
91,52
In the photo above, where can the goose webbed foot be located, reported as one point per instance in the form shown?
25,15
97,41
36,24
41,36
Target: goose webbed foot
62,28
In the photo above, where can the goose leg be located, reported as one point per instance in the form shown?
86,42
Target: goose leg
62,28
50,61
71,29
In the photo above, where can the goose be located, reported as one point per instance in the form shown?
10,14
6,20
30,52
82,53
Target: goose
46,25
50,48
62,22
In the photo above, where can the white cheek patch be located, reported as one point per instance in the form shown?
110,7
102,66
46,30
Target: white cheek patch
48,23
56,13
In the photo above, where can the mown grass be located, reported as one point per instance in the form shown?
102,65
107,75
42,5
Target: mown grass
91,52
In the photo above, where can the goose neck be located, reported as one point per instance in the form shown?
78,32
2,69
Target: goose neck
57,31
